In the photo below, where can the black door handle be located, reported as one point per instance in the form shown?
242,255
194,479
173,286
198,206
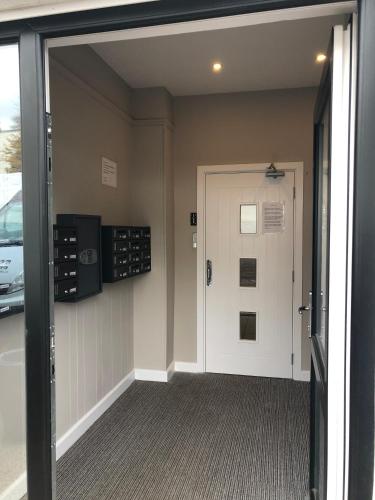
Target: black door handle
209,272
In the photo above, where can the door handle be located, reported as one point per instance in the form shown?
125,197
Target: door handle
308,309
209,272
302,309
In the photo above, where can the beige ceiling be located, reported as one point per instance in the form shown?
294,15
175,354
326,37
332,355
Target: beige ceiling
269,56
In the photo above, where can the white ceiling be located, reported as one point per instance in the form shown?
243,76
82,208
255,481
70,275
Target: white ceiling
269,56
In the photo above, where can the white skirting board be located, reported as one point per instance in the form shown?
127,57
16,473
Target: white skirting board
79,428
154,375
16,490
19,488
302,375
183,366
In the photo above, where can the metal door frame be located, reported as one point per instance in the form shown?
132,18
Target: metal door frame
31,34
319,367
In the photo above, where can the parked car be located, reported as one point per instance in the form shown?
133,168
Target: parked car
11,256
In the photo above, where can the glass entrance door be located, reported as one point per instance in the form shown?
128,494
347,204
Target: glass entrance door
12,323
330,296
320,293
27,441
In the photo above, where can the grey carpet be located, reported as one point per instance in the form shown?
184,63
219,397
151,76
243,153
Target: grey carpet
199,437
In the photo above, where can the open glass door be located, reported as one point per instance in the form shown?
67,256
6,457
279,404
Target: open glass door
331,264
12,321
27,441
319,295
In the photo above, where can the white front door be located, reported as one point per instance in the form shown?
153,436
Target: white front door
249,281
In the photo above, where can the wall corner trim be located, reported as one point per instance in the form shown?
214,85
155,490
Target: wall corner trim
170,371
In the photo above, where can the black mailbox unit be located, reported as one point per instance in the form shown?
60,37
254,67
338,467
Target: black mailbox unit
126,252
65,262
89,270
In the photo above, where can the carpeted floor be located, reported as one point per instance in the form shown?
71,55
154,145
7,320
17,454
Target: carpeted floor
199,437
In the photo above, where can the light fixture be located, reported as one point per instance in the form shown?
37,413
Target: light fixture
320,58
217,67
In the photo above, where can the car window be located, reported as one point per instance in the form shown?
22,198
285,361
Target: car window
11,222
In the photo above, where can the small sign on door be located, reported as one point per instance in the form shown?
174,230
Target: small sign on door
273,217
109,172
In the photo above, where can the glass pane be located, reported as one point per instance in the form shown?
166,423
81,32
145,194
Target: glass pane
248,325
248,272
323,236
12,353
249,219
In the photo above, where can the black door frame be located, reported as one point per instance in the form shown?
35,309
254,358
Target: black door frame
319,366
362,388
39,325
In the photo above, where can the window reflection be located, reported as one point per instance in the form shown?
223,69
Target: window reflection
248,218
322,316
11,230
12,328
248,326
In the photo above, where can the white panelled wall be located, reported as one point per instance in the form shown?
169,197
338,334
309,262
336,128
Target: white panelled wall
105,341
94,351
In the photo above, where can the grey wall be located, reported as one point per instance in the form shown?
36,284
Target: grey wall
234,128
97,115
151,200
94,338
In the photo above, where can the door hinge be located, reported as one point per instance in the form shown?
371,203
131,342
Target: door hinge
293,275
292,359
294,192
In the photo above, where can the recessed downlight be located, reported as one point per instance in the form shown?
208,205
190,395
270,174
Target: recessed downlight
217,67
320,58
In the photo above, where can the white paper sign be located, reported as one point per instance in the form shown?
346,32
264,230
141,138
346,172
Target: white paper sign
273,217
109,173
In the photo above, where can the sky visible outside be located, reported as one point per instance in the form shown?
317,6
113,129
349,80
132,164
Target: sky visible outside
9,86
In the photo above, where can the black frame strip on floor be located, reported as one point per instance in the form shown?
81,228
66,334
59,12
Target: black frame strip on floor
30,33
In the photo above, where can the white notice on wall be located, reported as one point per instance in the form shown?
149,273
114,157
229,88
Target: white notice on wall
273,217
109,172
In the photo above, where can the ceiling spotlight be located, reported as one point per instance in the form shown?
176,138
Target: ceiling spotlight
320,58
217,67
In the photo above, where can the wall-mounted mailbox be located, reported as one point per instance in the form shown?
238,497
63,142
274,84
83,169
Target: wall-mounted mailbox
85,251
126,252
65,262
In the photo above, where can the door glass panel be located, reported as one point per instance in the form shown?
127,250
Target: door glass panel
248,326
249,219
323,236
12,352
248,272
